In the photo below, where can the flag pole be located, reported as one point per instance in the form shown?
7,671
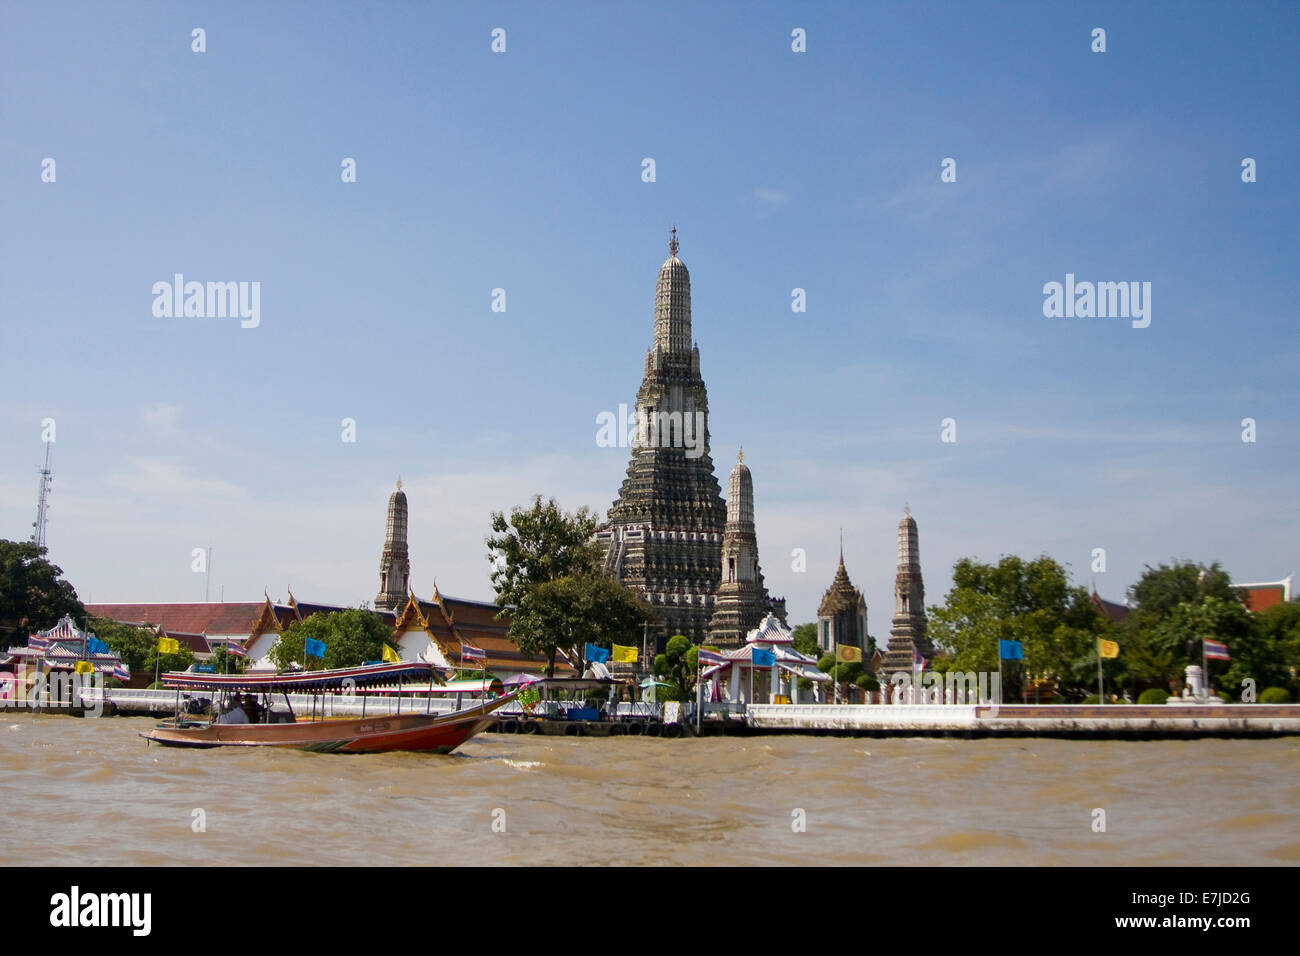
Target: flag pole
699,694
1205,671
1101,696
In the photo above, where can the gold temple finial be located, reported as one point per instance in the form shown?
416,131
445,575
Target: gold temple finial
741,454
672,243
399,482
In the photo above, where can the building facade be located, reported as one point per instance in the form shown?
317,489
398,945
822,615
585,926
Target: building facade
741,601
908,642
395,562
842,615
663,535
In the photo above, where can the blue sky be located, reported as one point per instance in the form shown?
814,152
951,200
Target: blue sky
522,171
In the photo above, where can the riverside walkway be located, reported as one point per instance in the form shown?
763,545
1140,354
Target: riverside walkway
1134,721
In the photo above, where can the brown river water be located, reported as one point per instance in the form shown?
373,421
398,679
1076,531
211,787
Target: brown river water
637,800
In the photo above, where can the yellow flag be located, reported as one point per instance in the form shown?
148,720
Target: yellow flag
391,656
168,645
1107,649
85,667
848,654
624,655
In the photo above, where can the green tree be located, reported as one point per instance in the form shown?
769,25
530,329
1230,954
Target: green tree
1031,602
1278,630
135,645
350,637
33,593
845,674
571,611
1175,606
538,544
805,640
677,665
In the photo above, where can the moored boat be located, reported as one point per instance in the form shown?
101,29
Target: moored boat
238,718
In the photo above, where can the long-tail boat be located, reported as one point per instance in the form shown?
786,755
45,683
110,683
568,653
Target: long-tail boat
263,725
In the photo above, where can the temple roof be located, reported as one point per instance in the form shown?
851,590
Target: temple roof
841,595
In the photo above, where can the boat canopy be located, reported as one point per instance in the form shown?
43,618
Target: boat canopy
492,685
338,679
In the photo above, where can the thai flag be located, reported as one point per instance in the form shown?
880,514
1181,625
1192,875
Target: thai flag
120,672
236,650
468,653
1214,651
711,657
38,643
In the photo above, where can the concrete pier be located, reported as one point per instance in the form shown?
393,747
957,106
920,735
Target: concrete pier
1133,721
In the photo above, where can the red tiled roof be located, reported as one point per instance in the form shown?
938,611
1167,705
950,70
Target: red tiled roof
197,643
1116,612
1259,598
234,618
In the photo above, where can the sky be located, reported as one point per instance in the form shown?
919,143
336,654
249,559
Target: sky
523,170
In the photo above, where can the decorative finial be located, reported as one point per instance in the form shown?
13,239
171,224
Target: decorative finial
907,510
841,545
741,455
399,482
672,243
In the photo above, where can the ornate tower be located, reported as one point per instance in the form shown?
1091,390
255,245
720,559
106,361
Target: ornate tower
907,638
395,565
663,535
842,615
740,603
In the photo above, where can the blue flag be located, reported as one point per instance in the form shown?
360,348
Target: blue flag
762,658
595,655
96,646
314,648
1011,651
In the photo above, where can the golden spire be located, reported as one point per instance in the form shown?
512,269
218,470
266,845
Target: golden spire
741,456
672,243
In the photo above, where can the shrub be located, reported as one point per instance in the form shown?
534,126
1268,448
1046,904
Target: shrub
1275,695
1153,695
1091,699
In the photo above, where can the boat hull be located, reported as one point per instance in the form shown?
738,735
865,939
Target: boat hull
415,732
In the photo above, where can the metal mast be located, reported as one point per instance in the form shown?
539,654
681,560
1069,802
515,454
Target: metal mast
43,501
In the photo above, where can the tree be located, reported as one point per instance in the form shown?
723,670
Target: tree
1178,604
1278,630
350,637
805,640
1031,602
578,609
537,545
677,665
33,593
844,674
134,644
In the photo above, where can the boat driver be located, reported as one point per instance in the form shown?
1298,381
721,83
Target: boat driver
252,709
236,714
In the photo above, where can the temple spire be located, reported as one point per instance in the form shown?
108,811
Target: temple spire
672,242
394,564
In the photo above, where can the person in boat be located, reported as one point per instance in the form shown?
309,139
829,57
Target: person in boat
253,709
236,714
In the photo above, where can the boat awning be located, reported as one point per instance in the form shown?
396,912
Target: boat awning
493,686
302,680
